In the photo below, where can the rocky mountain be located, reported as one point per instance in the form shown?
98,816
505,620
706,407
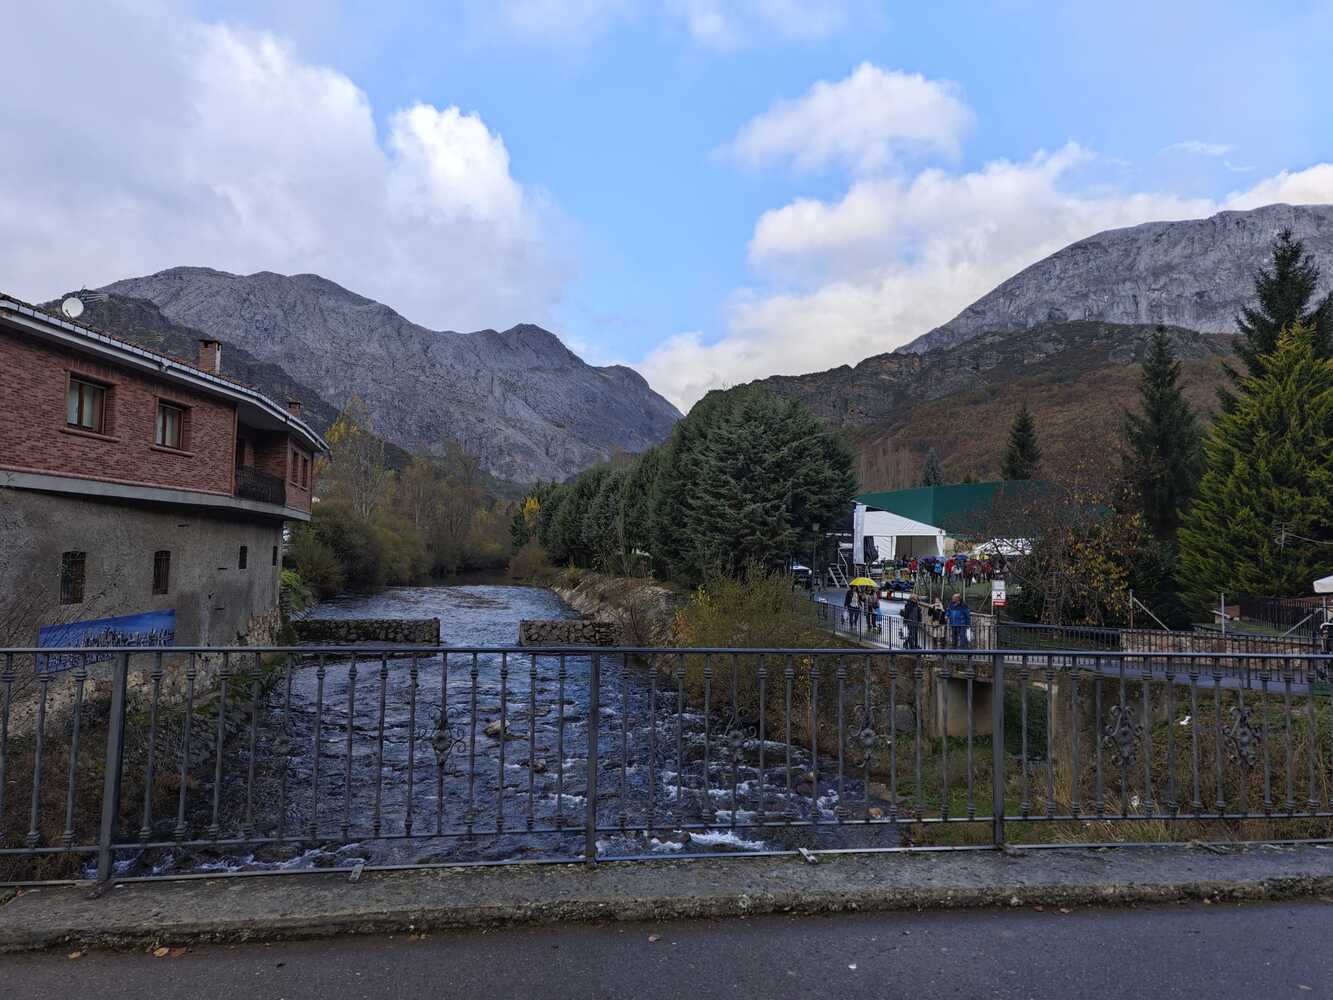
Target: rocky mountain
1077,378
530,407
1194,274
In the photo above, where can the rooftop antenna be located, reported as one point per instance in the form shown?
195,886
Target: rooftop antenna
72,307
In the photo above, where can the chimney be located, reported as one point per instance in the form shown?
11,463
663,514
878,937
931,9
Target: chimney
210,356
294,407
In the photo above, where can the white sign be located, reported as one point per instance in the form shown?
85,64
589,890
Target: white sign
997,597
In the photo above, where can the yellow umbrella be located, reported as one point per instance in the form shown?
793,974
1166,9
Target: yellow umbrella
862,581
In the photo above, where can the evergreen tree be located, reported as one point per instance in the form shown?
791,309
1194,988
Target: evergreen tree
1022,455
1165,442
603,529
1284,293
1262,518
930,472
636,503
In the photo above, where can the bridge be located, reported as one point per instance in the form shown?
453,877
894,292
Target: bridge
154,762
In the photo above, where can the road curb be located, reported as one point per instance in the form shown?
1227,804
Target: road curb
325,905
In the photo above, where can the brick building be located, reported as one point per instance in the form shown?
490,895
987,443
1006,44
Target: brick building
139,494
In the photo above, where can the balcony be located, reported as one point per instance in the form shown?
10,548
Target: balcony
252,484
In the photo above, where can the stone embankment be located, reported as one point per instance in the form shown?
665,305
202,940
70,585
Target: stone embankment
346,631
568,632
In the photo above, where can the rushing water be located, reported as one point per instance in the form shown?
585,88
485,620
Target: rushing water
483,756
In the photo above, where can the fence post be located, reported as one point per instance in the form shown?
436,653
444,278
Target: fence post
594,721
997,749
115,754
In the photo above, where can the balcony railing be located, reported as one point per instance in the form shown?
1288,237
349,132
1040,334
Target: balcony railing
251,484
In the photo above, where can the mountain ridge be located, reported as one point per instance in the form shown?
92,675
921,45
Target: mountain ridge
527,404
1192,273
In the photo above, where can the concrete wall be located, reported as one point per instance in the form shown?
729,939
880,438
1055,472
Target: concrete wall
216,602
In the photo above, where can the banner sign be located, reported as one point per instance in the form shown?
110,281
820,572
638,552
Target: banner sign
997,597
150,628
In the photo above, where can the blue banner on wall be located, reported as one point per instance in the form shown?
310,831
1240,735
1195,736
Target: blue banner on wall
151,628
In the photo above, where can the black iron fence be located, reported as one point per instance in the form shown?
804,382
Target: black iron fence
254,484
142,762
1301,615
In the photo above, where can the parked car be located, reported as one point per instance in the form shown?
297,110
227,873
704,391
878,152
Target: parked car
802,576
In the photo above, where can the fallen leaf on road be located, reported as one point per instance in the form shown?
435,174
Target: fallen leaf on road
654,938
176,952
1063,910
161,952
852,966
75,954
1302,986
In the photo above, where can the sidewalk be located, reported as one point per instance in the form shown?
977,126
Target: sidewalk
329,903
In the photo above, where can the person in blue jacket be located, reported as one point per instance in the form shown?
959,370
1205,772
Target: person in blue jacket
959,616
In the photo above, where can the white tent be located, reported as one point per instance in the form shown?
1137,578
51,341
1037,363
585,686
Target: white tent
1324,586
895,535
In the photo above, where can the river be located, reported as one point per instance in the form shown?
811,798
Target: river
489,751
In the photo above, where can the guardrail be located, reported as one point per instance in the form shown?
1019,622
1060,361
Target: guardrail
160,761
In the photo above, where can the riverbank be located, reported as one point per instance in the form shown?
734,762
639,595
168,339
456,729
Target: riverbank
645,610
174,914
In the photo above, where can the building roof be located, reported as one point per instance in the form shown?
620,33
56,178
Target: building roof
961,509
61,329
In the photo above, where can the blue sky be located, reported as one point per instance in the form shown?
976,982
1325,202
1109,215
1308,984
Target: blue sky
629,174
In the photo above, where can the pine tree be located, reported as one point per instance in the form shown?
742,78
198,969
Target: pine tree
1165,442
930,472
1262,518
1284,292
1022,456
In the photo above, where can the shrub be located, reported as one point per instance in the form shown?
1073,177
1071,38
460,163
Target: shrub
315,562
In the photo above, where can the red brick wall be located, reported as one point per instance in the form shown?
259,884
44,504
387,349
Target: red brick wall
34,436
298,490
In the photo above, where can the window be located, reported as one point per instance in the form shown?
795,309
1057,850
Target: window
275,555
86,405
161,571
170,426
71,577
300,469
244,557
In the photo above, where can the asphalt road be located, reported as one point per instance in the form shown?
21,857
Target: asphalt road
1196,951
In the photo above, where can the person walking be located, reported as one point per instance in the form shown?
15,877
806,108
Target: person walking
872,610
912,619
849,605
959,616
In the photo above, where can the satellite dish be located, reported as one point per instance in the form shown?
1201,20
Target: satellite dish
72,307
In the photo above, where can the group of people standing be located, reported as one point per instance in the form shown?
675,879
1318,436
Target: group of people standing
959,569
956,618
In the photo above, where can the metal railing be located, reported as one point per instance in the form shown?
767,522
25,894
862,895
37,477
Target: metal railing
162,761
252,484
1298,614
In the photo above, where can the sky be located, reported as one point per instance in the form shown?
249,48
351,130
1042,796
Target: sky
710,191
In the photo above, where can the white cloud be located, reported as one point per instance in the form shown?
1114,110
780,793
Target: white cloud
1311,186
160,140
897,256
1198,148
865,122
718,24
560,20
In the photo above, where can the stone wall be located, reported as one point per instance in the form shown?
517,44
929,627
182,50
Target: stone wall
343,631
568,632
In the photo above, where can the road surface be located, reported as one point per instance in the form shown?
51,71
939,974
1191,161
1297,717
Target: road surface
1197,951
